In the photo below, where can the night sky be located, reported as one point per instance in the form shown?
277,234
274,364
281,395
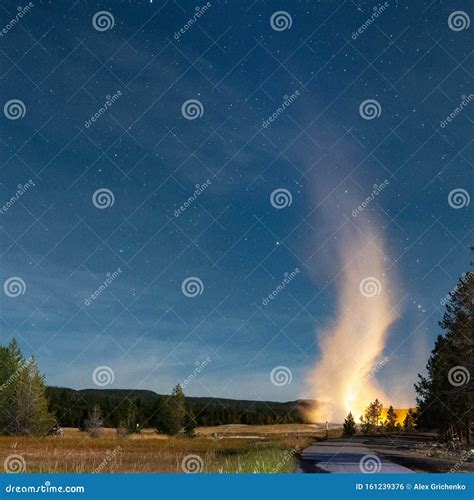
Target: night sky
103,195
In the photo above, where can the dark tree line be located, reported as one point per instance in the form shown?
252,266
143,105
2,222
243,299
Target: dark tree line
165,413
445,399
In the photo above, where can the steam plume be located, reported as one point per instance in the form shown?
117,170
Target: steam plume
351,347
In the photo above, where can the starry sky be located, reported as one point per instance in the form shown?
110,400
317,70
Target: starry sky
103,214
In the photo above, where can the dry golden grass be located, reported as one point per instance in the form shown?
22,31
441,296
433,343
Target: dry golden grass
76,452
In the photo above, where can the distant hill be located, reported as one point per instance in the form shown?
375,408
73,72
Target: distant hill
72,407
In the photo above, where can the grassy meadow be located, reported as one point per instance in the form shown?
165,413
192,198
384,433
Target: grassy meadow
223,449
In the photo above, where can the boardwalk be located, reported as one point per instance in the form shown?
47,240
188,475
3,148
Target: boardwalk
346,456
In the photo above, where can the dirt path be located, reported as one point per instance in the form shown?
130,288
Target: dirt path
346,456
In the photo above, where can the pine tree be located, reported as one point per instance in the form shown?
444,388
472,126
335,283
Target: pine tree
190,423
171,414
349,426
11,364
391,420
178,405
94,423
23,401
32,415
409,421
447,391
370,420
166,421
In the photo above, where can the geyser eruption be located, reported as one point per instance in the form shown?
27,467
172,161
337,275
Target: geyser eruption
352,347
